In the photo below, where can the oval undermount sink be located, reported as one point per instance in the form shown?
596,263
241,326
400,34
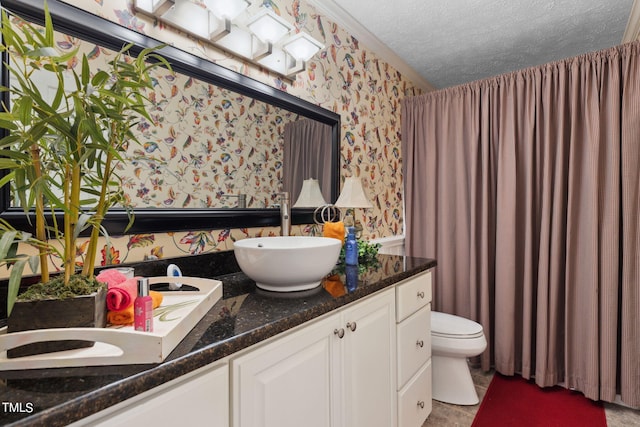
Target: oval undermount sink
287,263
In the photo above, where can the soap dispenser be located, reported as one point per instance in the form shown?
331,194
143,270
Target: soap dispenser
351,247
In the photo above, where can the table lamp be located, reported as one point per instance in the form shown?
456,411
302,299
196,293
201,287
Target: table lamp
352,197
310,195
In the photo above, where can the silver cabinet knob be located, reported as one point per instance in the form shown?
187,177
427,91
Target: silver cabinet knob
421,295
339,332
352,326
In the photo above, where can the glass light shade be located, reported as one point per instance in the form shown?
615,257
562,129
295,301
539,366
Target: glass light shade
268,26
310,195
237,41
352,195
153,7
196,20
278,60
302,46
227,9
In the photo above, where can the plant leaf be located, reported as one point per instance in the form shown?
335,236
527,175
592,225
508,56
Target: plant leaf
6,241
14,283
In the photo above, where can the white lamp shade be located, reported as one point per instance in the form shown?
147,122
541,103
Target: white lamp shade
310,195
352,195
268,26
302,46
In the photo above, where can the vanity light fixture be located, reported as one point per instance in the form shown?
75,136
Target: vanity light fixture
262,38
188,16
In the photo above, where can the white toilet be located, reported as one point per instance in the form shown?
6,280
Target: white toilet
453,340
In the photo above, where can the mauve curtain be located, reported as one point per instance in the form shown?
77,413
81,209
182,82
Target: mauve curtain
526,189
307,154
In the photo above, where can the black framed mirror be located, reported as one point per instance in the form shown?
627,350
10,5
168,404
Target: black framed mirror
77,23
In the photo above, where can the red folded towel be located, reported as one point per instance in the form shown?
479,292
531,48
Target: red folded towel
122,295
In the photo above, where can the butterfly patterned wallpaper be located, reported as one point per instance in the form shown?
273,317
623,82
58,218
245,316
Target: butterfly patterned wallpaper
205,144
344,77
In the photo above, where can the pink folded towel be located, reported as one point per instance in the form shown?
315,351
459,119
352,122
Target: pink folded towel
111,277
121,292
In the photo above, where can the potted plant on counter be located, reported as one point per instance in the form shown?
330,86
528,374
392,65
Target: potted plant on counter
59,154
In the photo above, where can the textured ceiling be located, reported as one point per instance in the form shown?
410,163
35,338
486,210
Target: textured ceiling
457,41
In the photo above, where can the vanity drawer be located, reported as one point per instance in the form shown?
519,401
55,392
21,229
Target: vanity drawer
412,295
414,344
414,400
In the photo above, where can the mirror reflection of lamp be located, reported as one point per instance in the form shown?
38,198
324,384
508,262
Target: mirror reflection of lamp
352,197
310,195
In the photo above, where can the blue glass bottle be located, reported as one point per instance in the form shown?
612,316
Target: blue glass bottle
351,274
351,248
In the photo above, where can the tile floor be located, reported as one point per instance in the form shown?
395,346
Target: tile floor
444,414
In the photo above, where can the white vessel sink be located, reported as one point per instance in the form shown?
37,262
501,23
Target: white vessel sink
287,263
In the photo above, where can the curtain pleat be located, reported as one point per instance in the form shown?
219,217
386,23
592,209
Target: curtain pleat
526,189
629,296
307,154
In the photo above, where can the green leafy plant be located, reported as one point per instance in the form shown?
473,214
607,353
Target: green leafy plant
367,252
60,152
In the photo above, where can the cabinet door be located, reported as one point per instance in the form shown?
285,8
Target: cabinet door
369,357
288,381
198,398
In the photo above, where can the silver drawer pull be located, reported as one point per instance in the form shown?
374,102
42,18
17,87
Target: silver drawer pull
421,294
339,332
352,326
421,404
420,343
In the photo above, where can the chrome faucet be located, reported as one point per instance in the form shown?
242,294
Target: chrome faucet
285,214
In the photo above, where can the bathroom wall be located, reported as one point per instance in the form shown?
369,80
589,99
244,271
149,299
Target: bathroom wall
344,77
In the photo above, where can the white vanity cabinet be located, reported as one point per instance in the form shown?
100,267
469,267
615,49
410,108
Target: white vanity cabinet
413,317
200,397
337,371
366,364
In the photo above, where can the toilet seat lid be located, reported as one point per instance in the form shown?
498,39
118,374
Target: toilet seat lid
448,325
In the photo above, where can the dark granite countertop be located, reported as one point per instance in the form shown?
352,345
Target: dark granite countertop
244,316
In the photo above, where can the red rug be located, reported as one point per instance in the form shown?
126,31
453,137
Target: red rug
514,401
